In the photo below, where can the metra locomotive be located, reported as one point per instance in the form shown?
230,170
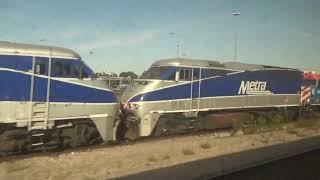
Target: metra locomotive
47,97
310,90
179,94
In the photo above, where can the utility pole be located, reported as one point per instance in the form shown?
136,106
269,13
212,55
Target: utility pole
178,45
235,35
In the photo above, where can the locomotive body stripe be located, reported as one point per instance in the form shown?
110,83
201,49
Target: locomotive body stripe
15,86
278,82
305,94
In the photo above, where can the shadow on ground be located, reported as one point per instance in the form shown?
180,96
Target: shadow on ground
218,166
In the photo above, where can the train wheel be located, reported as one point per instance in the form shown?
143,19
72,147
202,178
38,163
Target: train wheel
121,130
82,134
132,132
13,140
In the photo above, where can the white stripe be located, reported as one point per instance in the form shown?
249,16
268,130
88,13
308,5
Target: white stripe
65,118
59,103
239,107
219,97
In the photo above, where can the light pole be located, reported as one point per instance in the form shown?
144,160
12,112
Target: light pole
235,36
178,45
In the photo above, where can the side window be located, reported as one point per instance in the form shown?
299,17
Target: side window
62,68
195,74
172,76
66,69
76,70
41,68
58,69
86,71
85,74
185,75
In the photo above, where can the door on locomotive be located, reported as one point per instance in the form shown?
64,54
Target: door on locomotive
192,76
39,93
195,91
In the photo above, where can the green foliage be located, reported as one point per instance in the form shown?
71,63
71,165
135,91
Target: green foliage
261,120
278,118
128,74
104,74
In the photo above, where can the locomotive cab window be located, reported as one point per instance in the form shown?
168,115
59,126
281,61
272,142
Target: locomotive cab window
58,69
41,66
66,70
41,69
70,69
184,74
161,73
76,71
196,74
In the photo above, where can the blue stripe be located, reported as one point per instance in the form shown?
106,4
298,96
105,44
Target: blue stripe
67,92
16,87
278,82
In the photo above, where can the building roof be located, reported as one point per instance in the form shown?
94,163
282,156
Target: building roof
37,50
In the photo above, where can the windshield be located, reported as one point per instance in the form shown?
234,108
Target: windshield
160,72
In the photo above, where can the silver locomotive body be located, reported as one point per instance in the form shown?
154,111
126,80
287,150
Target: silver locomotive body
46,88
187,87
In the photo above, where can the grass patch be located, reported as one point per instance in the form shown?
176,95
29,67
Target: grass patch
187,152
265,141
278,118
205,145
152,159
166,157
249,130
306,123
292,131
261,121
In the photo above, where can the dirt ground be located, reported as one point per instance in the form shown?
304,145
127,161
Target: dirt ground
130,159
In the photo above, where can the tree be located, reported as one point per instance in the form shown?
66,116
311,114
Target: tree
103,74
128,74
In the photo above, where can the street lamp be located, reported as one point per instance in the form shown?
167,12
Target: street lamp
178,45
235,36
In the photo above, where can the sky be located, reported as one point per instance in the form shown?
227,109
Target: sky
130,35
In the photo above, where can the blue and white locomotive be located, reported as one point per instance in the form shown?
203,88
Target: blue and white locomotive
310,90
47,97
173,92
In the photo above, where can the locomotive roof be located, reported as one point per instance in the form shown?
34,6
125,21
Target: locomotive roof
212,64
187,62
37,50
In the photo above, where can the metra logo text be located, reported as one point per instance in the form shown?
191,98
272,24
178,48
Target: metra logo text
253,87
